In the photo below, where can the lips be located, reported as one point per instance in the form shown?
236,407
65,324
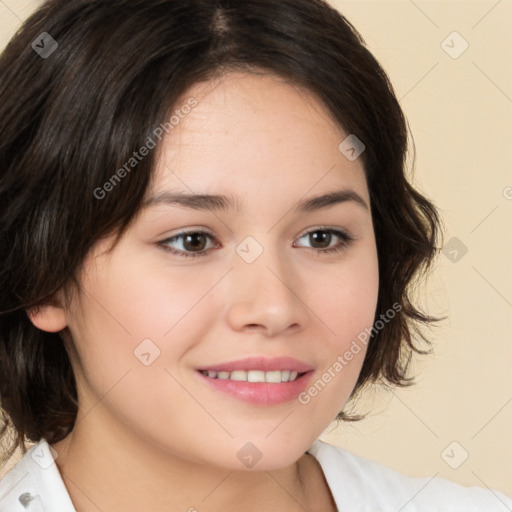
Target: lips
284,379
262,364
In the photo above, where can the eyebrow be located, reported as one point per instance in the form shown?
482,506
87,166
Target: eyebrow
214,202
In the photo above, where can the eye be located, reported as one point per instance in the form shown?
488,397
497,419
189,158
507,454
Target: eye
190,243
321,239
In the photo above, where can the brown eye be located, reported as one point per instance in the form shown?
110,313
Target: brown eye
192,243
322,240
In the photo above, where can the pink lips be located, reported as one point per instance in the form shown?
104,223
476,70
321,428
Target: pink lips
261,363
261,393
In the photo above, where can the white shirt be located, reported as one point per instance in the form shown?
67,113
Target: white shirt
357,485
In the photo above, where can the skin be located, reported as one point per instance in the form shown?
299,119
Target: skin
157,437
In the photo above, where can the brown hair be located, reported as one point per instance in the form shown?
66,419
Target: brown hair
69,119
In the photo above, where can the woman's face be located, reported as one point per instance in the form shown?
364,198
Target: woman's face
261,285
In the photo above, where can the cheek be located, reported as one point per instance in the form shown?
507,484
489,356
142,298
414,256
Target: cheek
130,329
132,300
135,316
345,296
345,300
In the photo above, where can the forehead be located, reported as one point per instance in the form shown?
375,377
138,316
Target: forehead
255,133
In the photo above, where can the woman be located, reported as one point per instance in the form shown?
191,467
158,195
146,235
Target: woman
208,240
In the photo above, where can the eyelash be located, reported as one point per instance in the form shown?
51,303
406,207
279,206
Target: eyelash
346,240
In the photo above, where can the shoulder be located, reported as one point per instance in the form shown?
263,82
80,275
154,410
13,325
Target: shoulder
360,485
35,484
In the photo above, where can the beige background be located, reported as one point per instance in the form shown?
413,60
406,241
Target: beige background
460,112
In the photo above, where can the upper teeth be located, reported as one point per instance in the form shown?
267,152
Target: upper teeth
253,375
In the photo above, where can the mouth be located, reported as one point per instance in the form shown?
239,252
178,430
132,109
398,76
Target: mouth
259,381
272,377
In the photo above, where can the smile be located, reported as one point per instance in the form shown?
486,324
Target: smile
274,377
257,387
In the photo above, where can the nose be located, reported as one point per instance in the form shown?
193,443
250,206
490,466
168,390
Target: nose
265,296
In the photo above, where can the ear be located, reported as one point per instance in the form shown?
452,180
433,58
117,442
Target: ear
48,317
